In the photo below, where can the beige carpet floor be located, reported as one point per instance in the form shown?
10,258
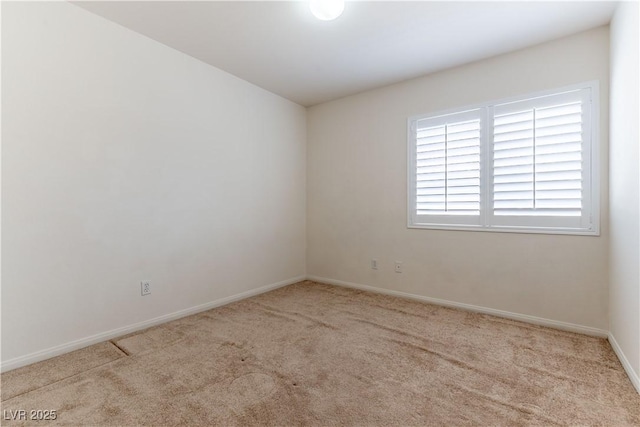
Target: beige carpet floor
314,354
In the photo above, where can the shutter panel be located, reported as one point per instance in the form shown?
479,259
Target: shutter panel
513,159
448,165
558,161
538,157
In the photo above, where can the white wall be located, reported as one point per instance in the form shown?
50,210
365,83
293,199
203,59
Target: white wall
126,160
357,190
624,299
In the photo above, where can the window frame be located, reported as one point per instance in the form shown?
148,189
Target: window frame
590,220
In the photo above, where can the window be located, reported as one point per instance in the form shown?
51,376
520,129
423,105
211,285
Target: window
527,164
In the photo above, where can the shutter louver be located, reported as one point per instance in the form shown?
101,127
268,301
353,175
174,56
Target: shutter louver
448,167
537,159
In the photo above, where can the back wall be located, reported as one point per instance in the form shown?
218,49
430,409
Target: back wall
357,194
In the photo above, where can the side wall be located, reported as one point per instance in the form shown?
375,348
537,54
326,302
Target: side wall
357,195
624,300
124,160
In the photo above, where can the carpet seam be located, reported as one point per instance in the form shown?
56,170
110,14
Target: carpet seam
62,379
296,315
122,350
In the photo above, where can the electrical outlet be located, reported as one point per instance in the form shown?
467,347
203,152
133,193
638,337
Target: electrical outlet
398,266
145,288
374,264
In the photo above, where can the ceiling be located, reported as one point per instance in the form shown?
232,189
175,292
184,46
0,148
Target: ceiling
281,47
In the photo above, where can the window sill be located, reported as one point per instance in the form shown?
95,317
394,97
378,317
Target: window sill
503,229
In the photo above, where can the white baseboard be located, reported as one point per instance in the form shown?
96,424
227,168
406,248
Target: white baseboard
104,336
633,375
571,327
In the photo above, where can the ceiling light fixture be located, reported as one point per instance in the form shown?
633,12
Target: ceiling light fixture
326,10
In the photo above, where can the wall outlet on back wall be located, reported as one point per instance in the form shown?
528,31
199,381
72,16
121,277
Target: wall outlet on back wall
145,287
398,266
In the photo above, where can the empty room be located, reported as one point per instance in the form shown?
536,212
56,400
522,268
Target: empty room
320,213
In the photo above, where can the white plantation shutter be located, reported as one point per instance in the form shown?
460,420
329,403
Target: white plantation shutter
541,161
447,168
528,164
